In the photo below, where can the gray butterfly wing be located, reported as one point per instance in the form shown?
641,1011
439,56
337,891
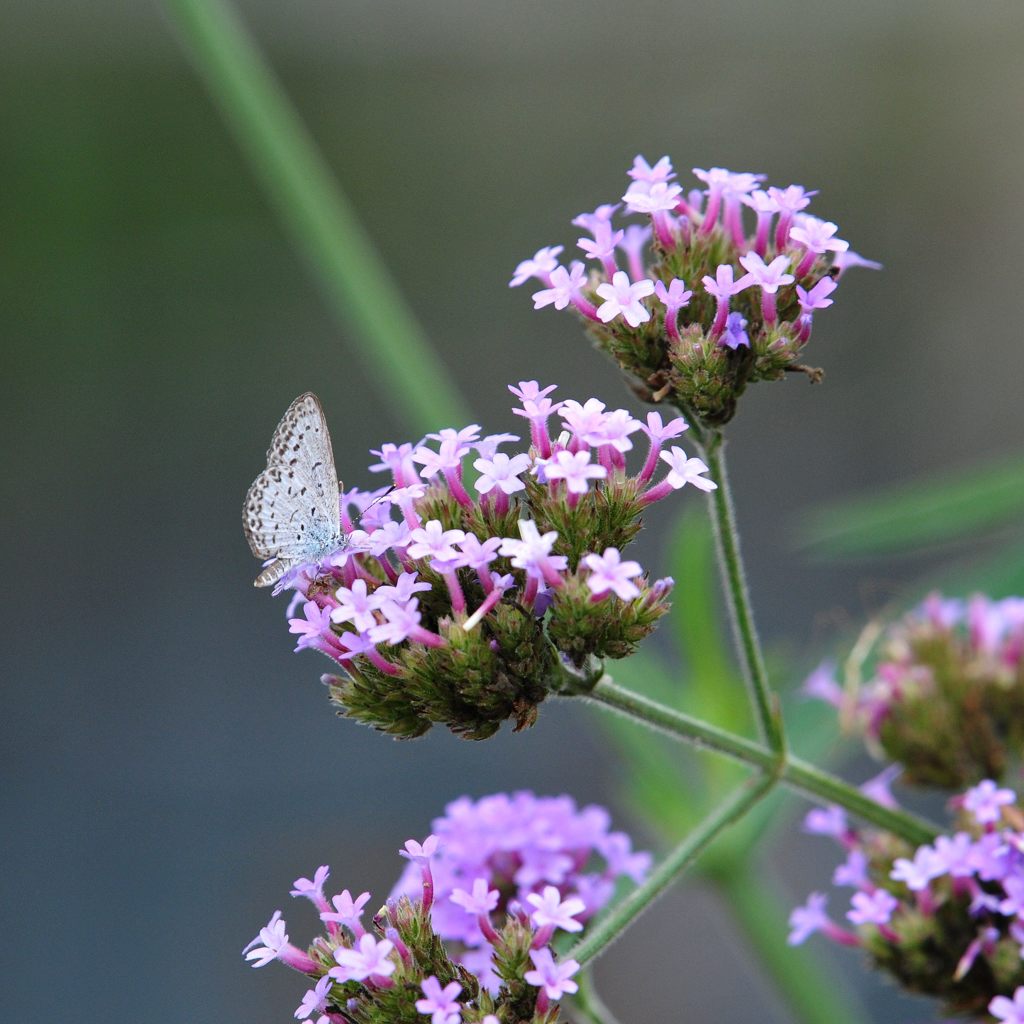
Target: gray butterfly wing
291,510
302,439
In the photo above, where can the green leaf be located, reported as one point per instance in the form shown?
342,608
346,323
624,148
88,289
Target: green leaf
924,512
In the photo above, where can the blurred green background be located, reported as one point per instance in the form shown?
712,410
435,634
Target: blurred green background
169,765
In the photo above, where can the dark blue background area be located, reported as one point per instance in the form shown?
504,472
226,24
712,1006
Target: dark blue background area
169,766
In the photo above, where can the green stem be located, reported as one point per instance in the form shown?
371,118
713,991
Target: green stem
793,771
802,980
587,1004
740,612
299,183
608,927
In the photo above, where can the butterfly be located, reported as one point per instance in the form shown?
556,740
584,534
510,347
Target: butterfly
291,513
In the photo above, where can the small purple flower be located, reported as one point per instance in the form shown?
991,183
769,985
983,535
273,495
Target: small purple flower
1009,1011
643,171
315,1000
356,605
853,871
575,469
917,874
722,287
586,421
622,297
482,899
872,908
674,296
684,470
312,888
735,335
554,979
986,800
441,1003
551,911
540,266
370,957
608,574
420,852
827,821
347,911
770,277
806,920
533,553
502,472
818,296
432,540
565,287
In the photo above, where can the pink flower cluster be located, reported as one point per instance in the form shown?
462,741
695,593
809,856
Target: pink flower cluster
946,919
785,246
503,862
402,545
521,854
946,696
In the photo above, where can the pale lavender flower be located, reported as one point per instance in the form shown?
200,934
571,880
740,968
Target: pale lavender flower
432,540
575,469
347,911
608,574
315,1000
986,800
1009,1011
770,277
722,287
540,266
853,871
440,1003
565,287
735,335
551,911
554,978
482,899
674,296
816,297
872,908
622,297
356,605
369,958
502,472
806,920
643,171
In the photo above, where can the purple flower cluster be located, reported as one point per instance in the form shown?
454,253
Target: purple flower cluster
946,919
693,302
511,576
521,854
946,698
498,880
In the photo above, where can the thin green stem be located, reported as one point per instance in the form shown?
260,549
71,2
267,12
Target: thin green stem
607,928
587,1004
794,772
738,599
801,979
299,183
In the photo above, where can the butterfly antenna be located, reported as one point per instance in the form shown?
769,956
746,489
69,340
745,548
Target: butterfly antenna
377,500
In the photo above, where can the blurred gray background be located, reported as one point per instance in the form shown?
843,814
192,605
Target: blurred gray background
169,765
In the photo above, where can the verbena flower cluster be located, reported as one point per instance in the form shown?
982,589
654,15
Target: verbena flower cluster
946,919
466,603
466,934
947,695
691,302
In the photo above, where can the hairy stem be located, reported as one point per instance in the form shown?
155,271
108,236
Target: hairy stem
794,772
299,183
608,927
741,614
